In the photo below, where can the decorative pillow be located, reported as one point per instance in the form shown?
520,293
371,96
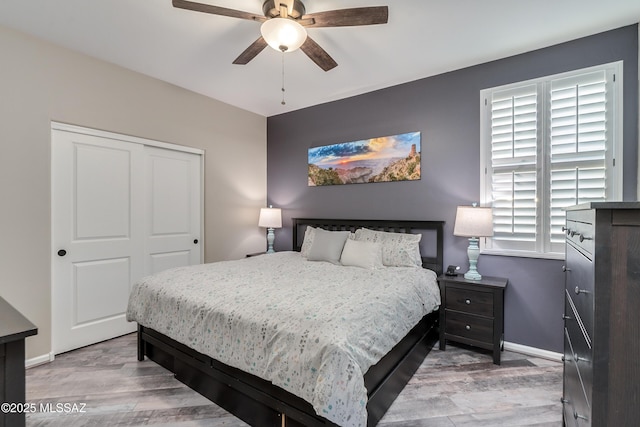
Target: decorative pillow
362,254
327,245
398,249
309,233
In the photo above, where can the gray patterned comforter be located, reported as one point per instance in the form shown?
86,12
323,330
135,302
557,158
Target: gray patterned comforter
311,328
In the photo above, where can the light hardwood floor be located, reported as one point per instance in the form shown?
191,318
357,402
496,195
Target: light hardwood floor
457,387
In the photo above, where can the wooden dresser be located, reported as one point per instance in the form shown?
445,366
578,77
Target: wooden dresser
602,315
14,328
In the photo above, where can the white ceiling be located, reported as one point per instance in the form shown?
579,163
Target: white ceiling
423,38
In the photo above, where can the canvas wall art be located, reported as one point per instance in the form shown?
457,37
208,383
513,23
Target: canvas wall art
383,159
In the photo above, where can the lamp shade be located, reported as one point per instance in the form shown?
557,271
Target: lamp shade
270,218
473,222
283,34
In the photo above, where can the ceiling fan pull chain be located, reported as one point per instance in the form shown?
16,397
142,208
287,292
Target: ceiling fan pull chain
283,103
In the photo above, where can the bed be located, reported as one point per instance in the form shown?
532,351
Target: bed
275,402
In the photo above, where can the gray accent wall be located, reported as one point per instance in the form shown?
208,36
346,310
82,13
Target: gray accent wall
446,109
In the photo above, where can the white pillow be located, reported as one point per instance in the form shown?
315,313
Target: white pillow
327,245
309,234
362,254
398,249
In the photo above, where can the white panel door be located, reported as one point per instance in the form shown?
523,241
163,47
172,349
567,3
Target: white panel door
98,228
173,202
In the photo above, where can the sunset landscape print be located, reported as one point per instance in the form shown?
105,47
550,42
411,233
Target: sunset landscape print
382,159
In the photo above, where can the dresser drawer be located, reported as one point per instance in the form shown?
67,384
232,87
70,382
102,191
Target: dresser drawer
576,408
469,326
581,351
470,301
580,230
579,283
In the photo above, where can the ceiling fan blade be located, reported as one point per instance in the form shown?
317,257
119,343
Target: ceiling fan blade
217,10
318,54
251,52
348,17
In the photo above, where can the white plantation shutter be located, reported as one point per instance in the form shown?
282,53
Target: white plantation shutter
514,125
514,206
578,144
548,144
514,135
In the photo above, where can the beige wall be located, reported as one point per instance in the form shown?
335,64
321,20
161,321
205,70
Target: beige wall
40,83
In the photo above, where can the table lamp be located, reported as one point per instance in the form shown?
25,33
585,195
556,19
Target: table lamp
473,222
270,218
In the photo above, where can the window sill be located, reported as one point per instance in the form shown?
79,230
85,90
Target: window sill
523,254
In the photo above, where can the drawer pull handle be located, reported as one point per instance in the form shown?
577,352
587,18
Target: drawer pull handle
576,416
572,233
563,358
578,358
579,291
467,301
583,238
565,317
567,230
468,327
563,400
565,269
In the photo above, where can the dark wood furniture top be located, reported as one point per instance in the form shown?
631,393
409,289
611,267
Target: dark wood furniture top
260,403
602,316
472,312
13,325
14,328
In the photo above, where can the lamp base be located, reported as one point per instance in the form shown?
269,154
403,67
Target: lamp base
473,252
472,275
270,238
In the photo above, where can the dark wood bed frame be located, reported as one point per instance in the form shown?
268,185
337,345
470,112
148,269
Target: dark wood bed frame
260,403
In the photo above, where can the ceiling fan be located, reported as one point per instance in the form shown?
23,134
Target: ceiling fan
284,23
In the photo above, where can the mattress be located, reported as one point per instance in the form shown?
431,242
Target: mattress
311,328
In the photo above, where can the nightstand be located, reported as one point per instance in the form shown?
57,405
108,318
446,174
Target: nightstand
472,312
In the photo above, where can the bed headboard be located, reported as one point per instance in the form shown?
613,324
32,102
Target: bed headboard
431,244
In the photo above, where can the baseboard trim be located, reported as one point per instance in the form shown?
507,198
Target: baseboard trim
509,346
39,360
533,351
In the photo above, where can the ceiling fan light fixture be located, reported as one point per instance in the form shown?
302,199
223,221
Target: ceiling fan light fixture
283,34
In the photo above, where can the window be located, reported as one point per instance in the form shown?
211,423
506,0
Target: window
547,144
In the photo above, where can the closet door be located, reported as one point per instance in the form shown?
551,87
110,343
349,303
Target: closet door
173,205
98,223
121,209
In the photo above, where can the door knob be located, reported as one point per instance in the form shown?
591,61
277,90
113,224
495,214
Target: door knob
62,252
195,241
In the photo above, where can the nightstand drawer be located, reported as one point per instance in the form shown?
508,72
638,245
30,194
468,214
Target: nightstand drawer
469,301
469,326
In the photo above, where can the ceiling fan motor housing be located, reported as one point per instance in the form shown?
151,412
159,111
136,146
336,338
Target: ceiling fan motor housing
271,8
